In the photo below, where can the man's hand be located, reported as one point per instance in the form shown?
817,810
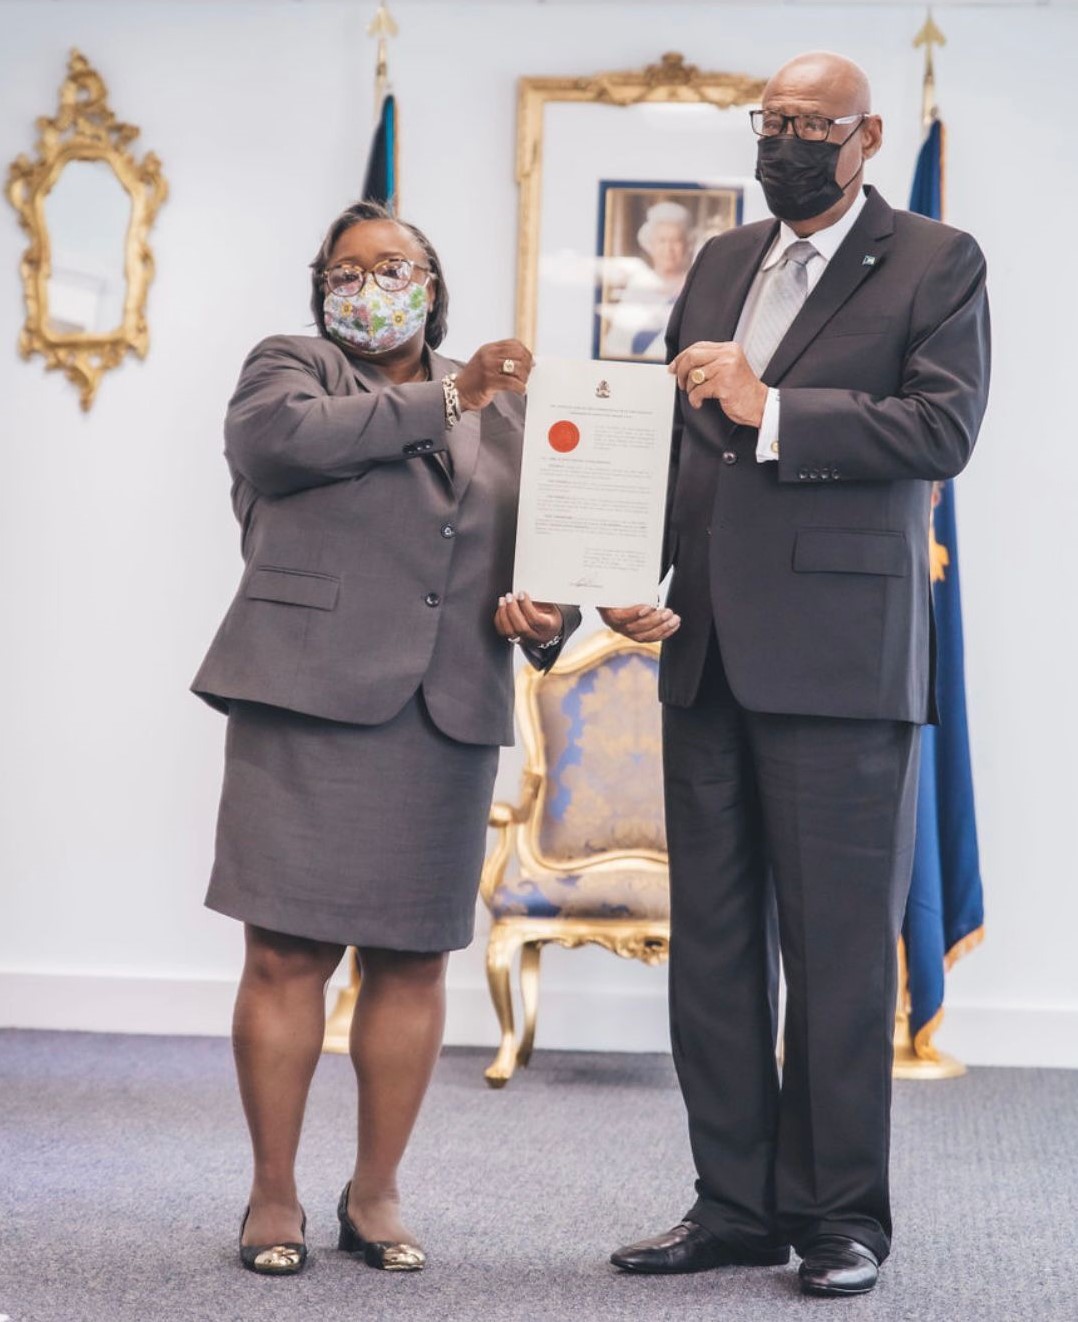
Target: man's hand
519,619
643,624
480,379
727,377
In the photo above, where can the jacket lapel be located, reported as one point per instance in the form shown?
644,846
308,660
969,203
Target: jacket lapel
845,272
368,376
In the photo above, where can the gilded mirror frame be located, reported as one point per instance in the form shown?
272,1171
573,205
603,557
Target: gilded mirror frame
671,80
85,129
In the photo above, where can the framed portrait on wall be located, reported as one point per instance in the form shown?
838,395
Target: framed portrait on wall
623,177
649,233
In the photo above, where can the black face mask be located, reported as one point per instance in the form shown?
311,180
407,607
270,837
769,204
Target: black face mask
798,177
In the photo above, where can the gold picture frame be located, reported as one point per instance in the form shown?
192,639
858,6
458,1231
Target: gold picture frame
670,81
84,129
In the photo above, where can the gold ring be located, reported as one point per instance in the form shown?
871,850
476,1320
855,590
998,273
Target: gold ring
698,376
509,366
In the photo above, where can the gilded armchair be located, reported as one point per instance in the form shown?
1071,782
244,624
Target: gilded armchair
588,834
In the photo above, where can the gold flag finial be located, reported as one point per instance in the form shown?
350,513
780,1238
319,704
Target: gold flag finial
383,26
929,37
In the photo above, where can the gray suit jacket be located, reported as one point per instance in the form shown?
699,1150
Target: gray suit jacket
371,572
814,570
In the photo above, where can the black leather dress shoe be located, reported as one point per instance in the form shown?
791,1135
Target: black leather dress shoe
833,1264
691,1248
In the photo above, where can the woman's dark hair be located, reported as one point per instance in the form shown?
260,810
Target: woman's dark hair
355,215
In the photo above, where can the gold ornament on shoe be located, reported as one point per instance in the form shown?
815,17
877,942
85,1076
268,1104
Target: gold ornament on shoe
277,1258
402,1258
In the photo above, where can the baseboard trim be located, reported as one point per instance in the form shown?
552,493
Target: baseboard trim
117,1003
595,1020
570,1019
1028,1036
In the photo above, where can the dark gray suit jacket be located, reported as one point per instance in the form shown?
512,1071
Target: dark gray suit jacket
814,569
370,571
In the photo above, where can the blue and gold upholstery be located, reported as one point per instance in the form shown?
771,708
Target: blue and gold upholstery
582,858
603,751
620,893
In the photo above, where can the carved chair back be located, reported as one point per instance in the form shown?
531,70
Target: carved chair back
591,839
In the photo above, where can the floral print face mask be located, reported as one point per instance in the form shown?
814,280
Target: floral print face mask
375,320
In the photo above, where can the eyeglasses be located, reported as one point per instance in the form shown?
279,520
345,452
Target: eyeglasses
392,274
813,128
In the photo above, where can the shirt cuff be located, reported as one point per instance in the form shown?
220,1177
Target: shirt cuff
767,441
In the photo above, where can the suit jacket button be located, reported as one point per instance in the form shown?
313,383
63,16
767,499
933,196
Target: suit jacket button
432,599
448,530
814,474
729,457
410,449
834,472
802,473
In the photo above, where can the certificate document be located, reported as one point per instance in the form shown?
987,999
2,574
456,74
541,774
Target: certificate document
593,482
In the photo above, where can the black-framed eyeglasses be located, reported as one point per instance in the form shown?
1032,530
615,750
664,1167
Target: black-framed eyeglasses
813,128
391,274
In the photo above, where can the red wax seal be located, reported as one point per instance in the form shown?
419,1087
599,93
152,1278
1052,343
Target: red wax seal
564,436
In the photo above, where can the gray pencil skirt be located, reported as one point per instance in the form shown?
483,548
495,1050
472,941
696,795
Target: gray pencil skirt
366,835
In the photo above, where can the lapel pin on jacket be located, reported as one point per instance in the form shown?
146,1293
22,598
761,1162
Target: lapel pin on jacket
868,260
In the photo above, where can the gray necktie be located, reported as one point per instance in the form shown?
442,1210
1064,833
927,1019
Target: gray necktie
780,301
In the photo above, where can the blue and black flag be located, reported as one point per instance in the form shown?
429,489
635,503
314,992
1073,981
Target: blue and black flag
945,913
380,181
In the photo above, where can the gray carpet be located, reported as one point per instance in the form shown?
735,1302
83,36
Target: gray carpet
123,1168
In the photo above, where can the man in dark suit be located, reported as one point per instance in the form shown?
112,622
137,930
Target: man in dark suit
832,364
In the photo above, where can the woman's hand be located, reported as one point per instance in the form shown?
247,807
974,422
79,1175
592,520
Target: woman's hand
480,379
519,619
643,624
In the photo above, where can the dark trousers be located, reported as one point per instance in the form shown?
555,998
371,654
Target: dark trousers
823,809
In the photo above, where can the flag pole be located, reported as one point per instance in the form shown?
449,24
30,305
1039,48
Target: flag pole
380,183
383,26
929,37
923,1059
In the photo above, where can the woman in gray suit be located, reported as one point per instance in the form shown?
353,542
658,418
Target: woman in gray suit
365,666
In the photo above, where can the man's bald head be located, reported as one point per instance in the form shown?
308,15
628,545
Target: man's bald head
810,88
823,77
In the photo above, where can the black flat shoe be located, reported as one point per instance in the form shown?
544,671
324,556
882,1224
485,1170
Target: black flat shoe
274,1259
691,1248
834,1265
381,1254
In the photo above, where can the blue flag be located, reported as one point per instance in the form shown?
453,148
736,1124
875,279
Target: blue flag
380,181
945,912
926,195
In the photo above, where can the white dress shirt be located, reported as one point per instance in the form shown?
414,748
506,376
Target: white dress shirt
826,242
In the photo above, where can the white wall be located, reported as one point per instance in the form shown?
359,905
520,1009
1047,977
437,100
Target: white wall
117,548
